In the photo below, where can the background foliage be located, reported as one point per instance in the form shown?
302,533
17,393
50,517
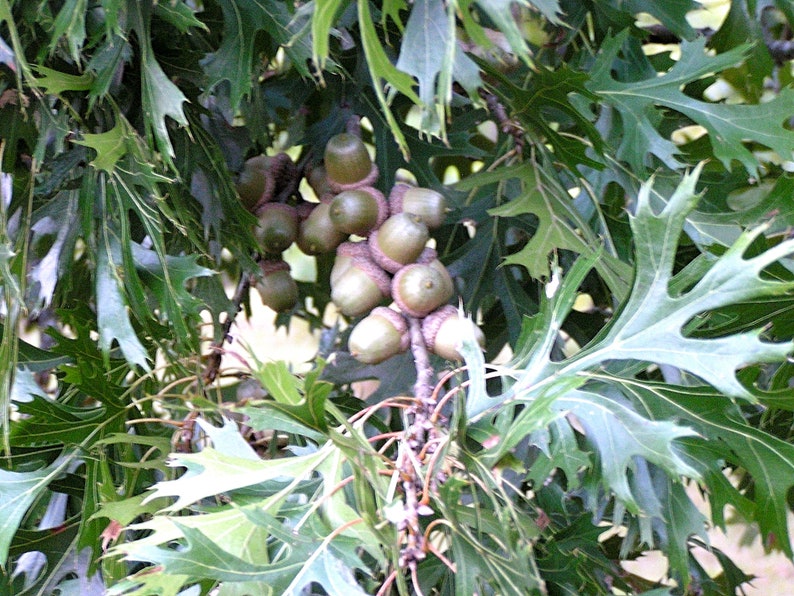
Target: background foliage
621,216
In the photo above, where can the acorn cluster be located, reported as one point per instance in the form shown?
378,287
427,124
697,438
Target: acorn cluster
380,244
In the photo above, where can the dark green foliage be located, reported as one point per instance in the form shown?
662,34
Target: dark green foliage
617,225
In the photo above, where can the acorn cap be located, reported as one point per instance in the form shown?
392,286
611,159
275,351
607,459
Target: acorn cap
345,253
360,288
419,289
399,241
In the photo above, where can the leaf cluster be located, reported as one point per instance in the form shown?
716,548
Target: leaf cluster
618,177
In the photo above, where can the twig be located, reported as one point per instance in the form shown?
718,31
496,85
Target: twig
506,124
216,348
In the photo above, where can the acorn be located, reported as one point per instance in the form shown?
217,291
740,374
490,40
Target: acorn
429,256
255,185
379,336
317,178
276,287
419,289
317,233
427,203
359,211
443,332
399,241
345,253
348,164
360,288
277,228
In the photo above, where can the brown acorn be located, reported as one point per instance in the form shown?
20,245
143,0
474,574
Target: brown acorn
255,185
348,164
399,241
317,233
443,332
317,178
277,228
379,336
276,287
428,204
360,288
419,289
358,211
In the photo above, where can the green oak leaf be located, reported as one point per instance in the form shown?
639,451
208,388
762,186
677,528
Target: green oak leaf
671,13
56,82
18,490
729,126
110,146
234,59
430,52
768,459
560,226
651,325
160,97
70,24
211,472
178,14
619,434
654,317
113,319
303,560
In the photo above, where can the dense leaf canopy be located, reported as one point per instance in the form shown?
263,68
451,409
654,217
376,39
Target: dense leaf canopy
617,191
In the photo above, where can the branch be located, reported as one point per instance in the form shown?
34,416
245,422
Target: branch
216,348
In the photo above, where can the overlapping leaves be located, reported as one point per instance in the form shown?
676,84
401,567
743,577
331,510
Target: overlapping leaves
623,416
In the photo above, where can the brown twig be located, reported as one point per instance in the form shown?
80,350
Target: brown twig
216,348
506,124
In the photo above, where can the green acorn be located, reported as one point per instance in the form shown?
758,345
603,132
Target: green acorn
347,163
276,287
429,205
345,254
358,211
443,331
419,289
379,336
317,233
277,228
399,241
255,185
360,288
